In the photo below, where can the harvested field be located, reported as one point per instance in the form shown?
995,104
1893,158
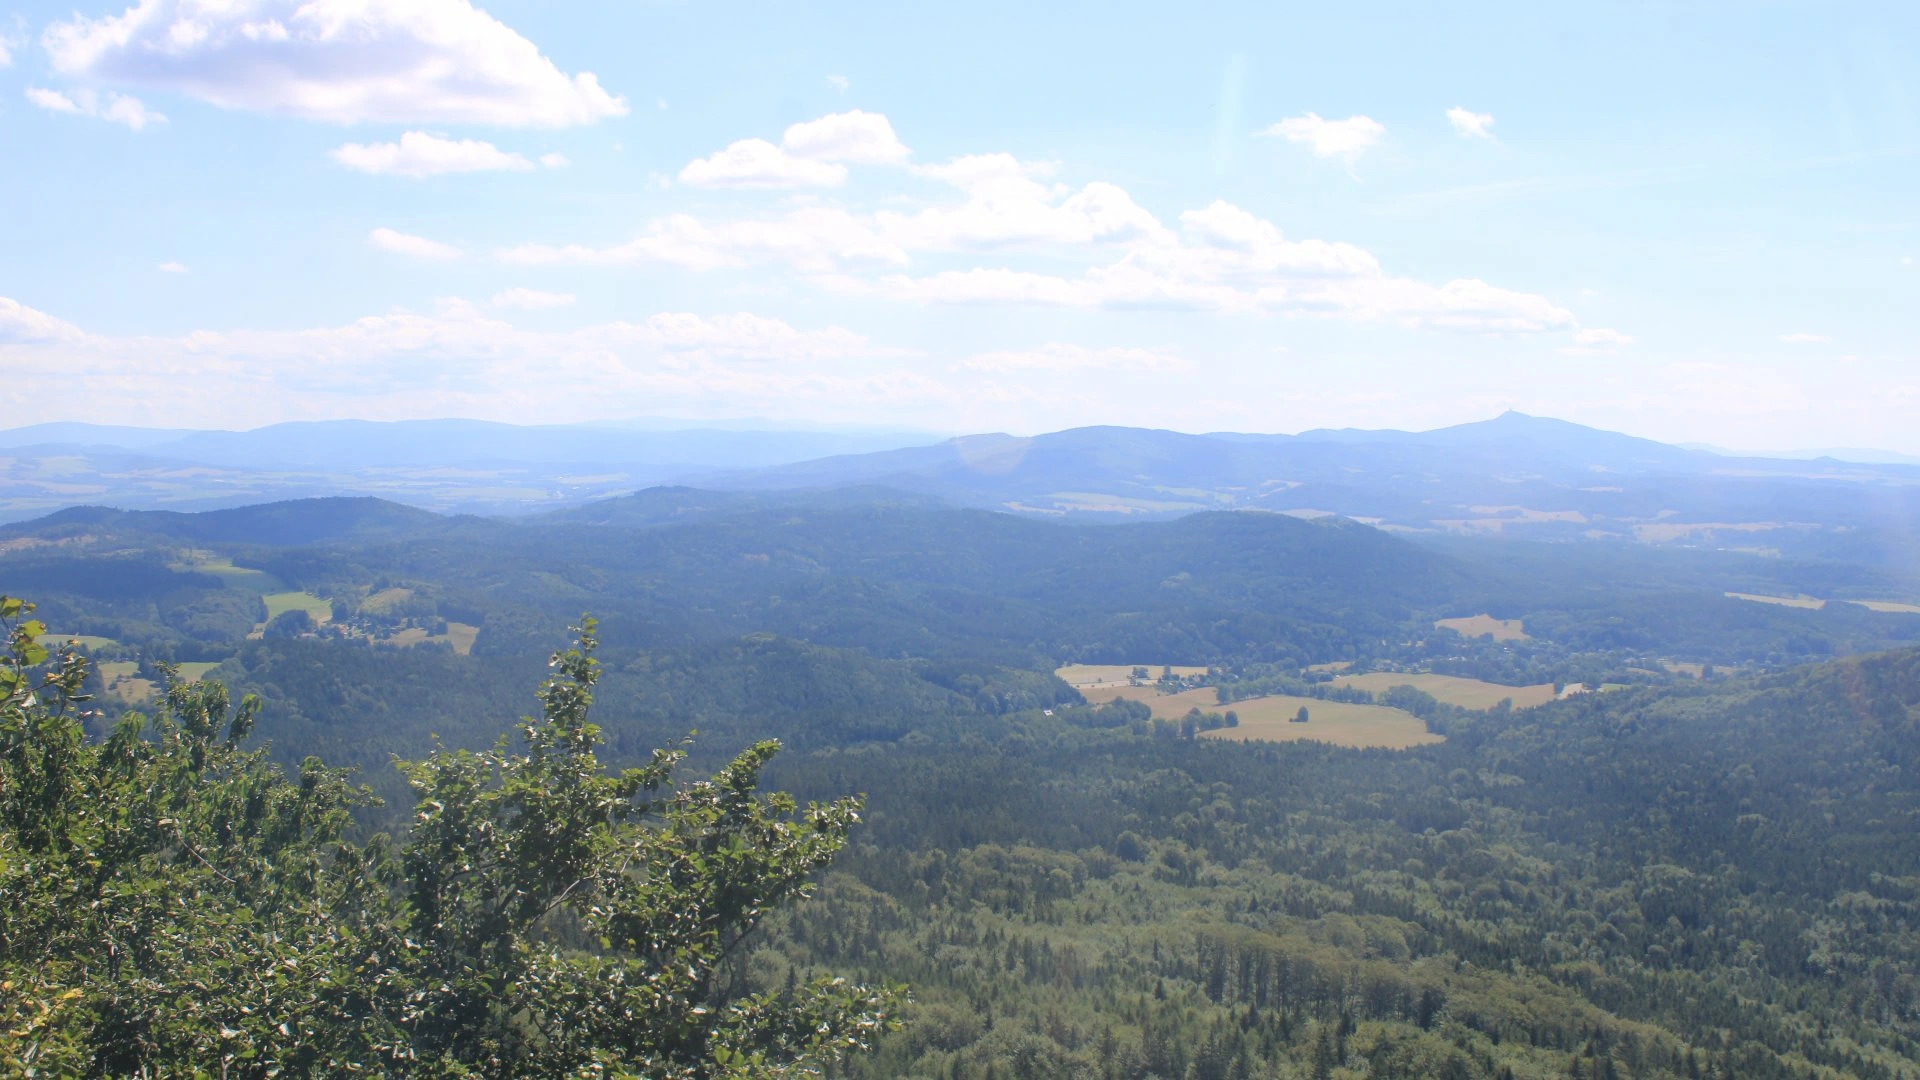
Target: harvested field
1270,719
1810,603
1484,626
1888,606
1452,689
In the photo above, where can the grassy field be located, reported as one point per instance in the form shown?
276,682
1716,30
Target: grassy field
1485,625
195,670
1085,675
1466,693
90,641
386,600
1809,602
459,635
1336,665
238,577
1270,719
123,682
281,602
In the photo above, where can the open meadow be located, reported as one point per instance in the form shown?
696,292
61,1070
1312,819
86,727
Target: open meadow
1080,676
1452,689
1270,719
282,602
1484,626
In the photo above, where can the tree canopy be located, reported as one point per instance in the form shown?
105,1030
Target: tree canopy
172,902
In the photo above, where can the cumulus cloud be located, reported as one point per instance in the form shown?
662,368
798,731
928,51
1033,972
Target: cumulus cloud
1219,258
1343,139
857,137
172,268
115,108
1470,124
418,155
22,325
418,247
1596,341
531,299
335,61
458,361
811,154
813,238
1802,339
1056,356
554,161
757,163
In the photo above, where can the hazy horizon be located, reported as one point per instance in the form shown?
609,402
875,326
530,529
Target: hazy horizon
1695,226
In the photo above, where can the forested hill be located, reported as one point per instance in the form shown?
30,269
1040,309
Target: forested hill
1715,883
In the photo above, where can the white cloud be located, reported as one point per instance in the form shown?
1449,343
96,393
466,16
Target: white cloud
52,100
1221,257
1596,341
811,154
810,238
757,163
1471,124
6,51
418,247
22,325
839,82
856,137
1906,260
554,161
1056,356
335,61
172,268
1802,338
116,108
531,299
457,361
418,155
1344,139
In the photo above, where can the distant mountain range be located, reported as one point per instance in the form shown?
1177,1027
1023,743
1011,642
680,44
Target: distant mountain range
448,465
1514,475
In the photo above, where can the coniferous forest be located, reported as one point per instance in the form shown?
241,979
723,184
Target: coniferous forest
832,810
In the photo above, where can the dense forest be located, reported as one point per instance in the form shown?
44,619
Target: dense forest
1674,877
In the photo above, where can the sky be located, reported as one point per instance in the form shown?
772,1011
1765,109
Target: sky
1693,222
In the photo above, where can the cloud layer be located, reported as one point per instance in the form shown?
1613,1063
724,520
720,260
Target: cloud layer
1220,258
418,154
452,361
335,61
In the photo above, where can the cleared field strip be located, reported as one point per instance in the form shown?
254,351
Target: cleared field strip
1892,607
1808,602
1452,689
1484,626
1814,603
1085,675
1270,719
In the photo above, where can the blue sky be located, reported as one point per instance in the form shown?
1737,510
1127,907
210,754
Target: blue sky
1694,222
